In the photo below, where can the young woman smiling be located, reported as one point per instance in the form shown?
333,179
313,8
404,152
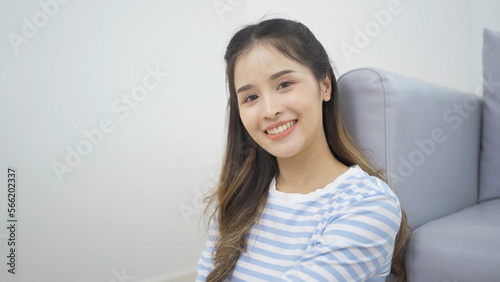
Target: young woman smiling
296,201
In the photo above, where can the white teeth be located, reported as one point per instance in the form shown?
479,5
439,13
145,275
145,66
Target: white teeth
281,128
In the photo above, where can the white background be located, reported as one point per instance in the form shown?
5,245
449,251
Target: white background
130,209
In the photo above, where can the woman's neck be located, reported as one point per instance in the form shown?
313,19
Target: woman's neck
308,171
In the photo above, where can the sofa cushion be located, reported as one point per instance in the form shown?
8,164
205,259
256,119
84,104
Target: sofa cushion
464,246
489,180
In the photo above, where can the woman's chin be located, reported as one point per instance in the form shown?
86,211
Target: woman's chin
283,153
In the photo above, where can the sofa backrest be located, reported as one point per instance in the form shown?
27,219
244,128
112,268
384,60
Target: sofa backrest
426,137
490,153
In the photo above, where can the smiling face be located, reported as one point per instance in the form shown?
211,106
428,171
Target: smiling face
280,102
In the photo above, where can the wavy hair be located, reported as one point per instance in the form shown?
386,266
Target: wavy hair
247,169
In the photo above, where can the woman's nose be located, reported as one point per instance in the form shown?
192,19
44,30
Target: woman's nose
272,106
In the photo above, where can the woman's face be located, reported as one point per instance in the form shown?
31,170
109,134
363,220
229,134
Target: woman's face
280,102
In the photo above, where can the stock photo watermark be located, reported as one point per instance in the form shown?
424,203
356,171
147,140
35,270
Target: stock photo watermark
122,108
121,277
12,225
197,205
373,28
39,19
223,6
454,116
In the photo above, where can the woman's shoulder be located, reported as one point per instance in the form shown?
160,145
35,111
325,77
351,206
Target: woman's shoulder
358,178
358,185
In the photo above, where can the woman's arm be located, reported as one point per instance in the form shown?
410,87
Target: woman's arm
206,263
356,245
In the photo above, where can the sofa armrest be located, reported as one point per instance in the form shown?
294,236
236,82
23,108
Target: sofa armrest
425,136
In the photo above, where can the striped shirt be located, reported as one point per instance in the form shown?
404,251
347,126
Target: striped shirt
344,231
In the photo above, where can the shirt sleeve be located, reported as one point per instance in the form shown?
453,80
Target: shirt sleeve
206,263
357,243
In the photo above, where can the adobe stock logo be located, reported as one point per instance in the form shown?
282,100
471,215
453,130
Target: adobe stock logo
121,107
221,7
372,29
40,19
454,117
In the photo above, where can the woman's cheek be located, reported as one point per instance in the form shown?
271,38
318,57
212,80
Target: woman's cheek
249,119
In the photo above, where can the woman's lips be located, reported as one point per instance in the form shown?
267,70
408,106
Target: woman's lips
283,134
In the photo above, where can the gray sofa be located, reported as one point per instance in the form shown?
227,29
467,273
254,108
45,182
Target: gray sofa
441,148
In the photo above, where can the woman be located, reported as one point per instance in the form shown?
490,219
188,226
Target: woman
296,201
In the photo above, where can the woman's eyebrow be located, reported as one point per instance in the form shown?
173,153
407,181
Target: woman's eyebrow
272,77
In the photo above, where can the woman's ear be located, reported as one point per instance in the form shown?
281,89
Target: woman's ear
326,88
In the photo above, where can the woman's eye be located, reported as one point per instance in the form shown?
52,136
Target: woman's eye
250,98
284,84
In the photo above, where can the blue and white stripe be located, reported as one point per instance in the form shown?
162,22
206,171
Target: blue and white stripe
342,232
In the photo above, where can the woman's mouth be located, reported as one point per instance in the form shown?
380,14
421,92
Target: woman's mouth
281,128
281,131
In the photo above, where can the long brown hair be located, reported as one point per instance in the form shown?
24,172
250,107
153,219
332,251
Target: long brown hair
247,169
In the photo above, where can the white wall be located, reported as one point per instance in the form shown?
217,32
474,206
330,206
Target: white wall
130,207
